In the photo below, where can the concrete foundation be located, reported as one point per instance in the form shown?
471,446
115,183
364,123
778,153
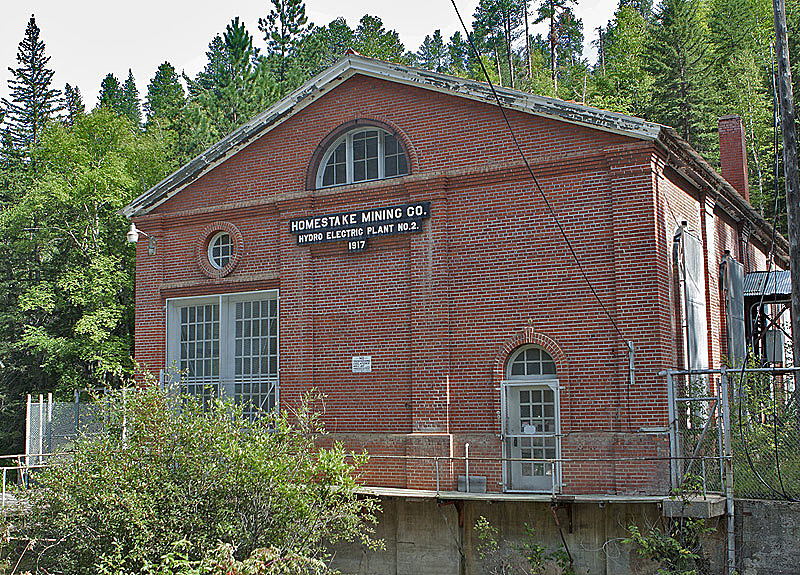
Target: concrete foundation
437,537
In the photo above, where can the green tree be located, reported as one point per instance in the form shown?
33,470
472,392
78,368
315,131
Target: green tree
458,55
284,29
627,85
740,48
131,108
73,103
110,96
371,39
233,87
168,481
432,54
71,308
679,60
32,99
495,24
166,116
323,45
551,11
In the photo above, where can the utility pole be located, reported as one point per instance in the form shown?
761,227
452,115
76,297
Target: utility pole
790,173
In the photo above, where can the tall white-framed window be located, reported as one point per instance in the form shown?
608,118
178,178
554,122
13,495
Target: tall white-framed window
226,345
531,425
362,155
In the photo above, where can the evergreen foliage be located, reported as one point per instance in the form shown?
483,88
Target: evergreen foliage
284,29
110,96
32,99
73,104
552,12
234,86
679,58
432,54
166,118
371,39
131,107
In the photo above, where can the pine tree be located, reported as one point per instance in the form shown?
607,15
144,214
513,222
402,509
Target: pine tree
73,103
284,29
626,86
130,100
458,55
550,11
165,108
432,53
371,39
679,59
32,101
165,95
322,46
110,94
233,87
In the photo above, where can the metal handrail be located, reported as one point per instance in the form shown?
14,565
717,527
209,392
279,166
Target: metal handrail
435,459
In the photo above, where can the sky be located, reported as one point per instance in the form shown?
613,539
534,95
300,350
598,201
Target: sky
87,39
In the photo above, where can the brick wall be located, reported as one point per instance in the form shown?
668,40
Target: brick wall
440,311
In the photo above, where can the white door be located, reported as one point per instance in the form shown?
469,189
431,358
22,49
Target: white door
532,435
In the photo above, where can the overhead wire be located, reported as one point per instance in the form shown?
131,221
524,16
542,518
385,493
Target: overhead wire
536,181
585,276
782,493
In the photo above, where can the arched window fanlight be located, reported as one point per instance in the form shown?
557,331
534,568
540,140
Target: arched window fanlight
362,155
531,362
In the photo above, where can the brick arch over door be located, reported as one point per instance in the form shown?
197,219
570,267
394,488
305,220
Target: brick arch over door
529,336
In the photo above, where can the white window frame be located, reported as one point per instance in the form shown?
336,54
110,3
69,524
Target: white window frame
209,250
227,332
506,386
348,139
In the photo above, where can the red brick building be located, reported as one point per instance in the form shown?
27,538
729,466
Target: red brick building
376,235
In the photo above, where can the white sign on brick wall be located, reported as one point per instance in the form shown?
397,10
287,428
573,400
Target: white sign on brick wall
362,364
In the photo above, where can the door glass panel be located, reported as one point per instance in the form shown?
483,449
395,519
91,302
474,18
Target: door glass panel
255,367
532,436
199,350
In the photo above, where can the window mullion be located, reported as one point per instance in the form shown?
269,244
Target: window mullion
349,158
226,346
381,155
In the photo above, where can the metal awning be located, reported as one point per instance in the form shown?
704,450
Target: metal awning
770,284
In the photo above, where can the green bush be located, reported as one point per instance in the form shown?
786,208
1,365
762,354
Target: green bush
173,486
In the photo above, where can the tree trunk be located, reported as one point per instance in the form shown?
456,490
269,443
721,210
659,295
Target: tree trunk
507,26
527,41
497,61
553,48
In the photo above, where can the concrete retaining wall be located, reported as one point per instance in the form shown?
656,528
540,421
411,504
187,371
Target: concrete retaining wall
435,538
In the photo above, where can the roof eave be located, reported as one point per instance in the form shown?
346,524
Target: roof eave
350,65
714,182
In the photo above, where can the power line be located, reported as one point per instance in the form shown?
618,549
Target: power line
533,177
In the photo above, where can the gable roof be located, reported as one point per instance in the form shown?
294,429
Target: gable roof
352,64
680,154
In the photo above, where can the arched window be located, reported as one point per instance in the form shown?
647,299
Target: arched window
531,424
361,155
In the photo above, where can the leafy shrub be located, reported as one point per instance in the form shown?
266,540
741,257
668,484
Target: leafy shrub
173,486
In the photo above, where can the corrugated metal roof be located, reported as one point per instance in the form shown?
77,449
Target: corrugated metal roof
778,283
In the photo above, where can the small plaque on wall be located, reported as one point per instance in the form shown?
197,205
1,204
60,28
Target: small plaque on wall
362,364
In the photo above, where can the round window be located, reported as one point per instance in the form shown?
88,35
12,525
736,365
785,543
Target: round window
220,250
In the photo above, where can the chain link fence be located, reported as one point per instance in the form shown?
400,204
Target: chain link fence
765,434
697,431
53,426
755,410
